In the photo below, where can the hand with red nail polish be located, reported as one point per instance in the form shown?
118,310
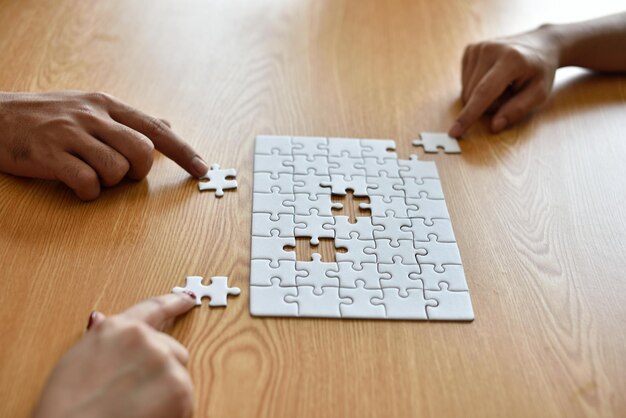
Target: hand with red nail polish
124,366
509,77
85,140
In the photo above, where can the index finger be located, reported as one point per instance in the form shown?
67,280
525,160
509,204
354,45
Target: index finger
162,136
488,90
158,310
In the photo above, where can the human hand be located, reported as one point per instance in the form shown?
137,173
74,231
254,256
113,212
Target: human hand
509,77
124,367
85,140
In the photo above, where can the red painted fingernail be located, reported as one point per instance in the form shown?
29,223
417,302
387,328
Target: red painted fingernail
190,293
92,317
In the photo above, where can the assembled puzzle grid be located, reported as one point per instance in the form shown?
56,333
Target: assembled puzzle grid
402,262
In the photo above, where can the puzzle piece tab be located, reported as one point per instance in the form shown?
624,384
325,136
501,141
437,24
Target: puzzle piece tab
218,180
218,290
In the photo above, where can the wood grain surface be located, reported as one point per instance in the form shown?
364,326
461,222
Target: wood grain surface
538,210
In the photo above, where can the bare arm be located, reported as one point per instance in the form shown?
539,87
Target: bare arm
512,76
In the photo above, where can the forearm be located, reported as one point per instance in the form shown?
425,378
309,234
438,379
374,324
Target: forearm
597,44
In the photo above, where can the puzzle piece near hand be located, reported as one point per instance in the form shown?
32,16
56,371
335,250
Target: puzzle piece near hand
431,142
218,180
218,290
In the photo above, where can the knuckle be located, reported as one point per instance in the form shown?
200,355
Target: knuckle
133,334
181,387
99,97
155,125
86,180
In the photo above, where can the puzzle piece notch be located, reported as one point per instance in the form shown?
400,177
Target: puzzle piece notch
414,168
451,305
363,226
270,144
317,274
360,305
218,180
412,306
437,253
311,304
339,185
358,251
431,142
400,276
272,248
310,147
381,149
270,300
217,291
311,225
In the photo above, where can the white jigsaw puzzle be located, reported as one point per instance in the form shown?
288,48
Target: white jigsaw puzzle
217,291
218,180
402,262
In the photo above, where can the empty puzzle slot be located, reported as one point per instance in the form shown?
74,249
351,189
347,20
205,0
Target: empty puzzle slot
351,207
305,250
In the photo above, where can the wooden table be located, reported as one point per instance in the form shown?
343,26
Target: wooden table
538,210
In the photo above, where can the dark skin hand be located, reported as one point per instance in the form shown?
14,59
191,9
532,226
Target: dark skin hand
510,77
85,140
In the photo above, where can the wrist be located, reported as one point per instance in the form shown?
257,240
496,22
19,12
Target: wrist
555,36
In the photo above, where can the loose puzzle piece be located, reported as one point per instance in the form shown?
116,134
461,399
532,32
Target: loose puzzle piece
218,180
451,305
316,273
402,262
360,302
431,142
270,300
218,290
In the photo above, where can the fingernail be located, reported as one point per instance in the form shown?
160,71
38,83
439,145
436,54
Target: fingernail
92,318
498,124
456,130
190,294
199,166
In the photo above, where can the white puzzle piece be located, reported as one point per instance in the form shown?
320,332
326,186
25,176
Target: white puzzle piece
431,142
402,262
217,291
451,306
218,180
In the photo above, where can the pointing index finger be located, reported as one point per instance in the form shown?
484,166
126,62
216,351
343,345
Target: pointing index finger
162,136
158,310
489,89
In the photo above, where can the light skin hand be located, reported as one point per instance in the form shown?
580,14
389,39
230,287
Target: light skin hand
508,77
124,367
85,140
